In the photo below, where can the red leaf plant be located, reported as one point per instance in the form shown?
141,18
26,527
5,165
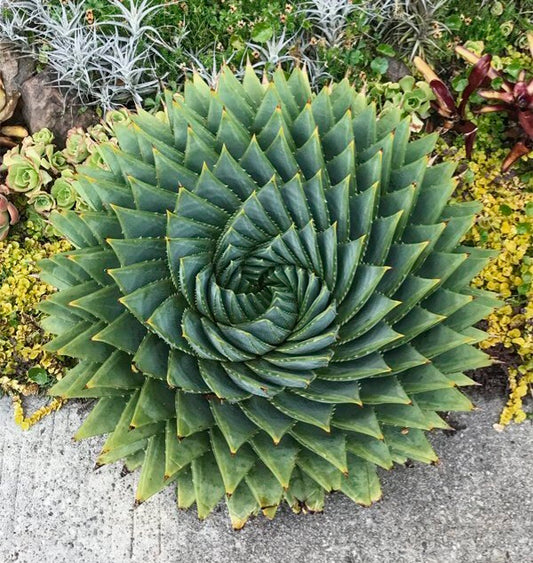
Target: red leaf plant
453,113
8,214
514,98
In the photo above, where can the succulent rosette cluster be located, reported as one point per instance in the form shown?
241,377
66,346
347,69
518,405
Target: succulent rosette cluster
412,97
45,175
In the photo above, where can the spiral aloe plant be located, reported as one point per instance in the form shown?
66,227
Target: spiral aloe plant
267,296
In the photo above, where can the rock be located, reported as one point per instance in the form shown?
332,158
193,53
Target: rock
16,67
42,104
396,70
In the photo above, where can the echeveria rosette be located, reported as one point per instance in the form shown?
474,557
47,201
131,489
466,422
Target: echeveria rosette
76,146
24,173
57,161
43,137
43,202
117,117
267,297
63,190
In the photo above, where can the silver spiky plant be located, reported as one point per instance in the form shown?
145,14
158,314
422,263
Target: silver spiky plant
329,18
410,26
208,72
275,51
108,63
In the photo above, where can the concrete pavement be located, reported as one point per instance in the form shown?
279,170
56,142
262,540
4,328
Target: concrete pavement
476,505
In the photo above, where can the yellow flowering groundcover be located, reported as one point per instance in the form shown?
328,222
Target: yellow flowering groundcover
24,365
506,225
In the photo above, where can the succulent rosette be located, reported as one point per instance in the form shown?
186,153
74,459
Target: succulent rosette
43,137
76,146
63,190
57,161
98,133
268,296
25,174
43,202
117,117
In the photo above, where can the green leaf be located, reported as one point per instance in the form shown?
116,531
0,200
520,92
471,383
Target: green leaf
208,484
268,418
444,400
264,486
332,392
124,333
328,476
362,483
38,375
219,383
304,492
116,372
241,505
330,446
185,489
379,65
124,440
402,415
151,357
180,452
387,50
412,444
192,413
262,32
309,411
233,467
280,458
357,419
183,372
156,403
454,22
152,479
383,390
505,209
233,424
103,418
373,450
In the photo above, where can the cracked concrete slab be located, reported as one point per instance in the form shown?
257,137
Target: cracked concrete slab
476,505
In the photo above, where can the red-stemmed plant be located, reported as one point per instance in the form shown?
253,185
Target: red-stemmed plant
453,113
514,98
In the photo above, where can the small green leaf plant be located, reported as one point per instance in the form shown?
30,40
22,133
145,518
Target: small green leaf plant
268,295
412,97
43,176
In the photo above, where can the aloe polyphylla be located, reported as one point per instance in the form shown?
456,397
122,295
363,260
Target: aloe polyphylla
268,296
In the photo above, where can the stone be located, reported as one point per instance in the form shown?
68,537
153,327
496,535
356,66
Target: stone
396,70
42,103
16,67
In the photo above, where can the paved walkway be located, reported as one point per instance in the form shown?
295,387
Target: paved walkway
476,505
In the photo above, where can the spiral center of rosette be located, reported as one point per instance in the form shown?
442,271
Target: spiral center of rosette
254,295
